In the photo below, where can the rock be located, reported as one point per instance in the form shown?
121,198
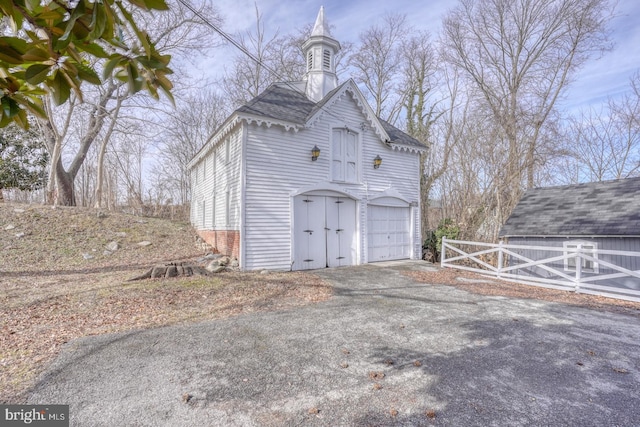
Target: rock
264,272
121,234
106,252
199,271
144,243
218,269
224,261
87,256
17,210
235,263
113,246
10,227
213,265
19,235
209,257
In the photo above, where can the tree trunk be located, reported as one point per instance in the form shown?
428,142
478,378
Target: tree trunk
64,185
102,151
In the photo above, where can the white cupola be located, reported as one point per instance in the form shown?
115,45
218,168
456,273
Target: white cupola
320,51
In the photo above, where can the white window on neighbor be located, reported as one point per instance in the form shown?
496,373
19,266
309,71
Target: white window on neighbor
586,248
344,155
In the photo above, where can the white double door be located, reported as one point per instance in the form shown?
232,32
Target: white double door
324,232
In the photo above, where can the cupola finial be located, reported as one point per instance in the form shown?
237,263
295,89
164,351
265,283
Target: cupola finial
321,28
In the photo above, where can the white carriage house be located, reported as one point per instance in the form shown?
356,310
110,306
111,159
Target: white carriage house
305,176
599,219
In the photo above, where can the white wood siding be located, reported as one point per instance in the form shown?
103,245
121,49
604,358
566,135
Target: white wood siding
211,187
278,163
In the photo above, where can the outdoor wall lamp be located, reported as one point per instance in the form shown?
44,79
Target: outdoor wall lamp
377,162
315,153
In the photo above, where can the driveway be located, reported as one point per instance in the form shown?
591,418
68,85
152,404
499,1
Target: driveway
384,350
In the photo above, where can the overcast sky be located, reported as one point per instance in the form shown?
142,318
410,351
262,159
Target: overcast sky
607,76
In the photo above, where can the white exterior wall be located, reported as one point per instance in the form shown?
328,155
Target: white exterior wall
278,165
212,178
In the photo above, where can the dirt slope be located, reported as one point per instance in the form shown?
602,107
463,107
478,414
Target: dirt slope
59,281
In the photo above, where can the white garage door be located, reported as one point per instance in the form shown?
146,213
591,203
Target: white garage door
324,232
389,233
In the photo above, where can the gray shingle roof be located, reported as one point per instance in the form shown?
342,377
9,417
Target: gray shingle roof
609,208
280,104
289,105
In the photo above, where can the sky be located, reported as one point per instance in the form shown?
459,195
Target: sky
597,80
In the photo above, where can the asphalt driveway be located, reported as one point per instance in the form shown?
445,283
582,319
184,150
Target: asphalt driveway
384,350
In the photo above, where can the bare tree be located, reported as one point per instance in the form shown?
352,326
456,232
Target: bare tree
266,60
377,63
519,57
605,144
187,129
71,131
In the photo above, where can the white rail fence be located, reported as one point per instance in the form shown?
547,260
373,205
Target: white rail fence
606,274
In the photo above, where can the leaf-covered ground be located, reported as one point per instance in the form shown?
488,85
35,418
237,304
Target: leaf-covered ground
488,286
57,283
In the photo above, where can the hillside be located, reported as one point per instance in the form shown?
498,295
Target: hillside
62,277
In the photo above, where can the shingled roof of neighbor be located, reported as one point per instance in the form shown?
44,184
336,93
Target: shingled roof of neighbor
608,208
289,105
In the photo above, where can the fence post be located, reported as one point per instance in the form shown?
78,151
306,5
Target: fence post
500,259
443,253
578,267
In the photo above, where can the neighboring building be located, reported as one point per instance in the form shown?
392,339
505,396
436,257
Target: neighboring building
597,215
293,179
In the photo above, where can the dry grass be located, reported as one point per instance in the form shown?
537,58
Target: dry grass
50,293
487,286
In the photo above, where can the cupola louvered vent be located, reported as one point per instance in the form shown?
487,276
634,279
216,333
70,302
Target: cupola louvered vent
326,60
310,61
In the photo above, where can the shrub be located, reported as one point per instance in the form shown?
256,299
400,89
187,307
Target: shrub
433,241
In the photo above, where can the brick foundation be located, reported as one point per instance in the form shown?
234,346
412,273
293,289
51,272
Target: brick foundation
226,242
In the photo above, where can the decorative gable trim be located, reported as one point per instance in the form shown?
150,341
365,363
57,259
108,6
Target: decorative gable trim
268,122
411,149
351,88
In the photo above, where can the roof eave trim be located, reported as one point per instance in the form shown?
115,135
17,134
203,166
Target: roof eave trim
216,137
231,123
398,146
269,121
